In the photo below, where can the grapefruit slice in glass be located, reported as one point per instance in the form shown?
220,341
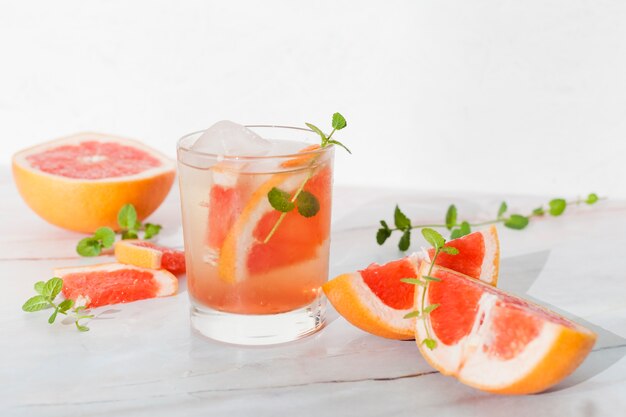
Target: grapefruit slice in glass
80,182
495,341
148,255
375,300
112,283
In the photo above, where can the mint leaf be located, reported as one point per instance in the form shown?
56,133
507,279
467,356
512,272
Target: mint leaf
151,230
433,237
336,142
89,246
539,211
405,240
451,217
308,205
466,229
413,281
503,208
517,222
592,198
456,233
430,308
382,235
127,217
412,314
400,220
66,305
280,200
450,250
39,286
53,317
429,278
319,132
129,234
106,235
81,327
557,206
339,122
36,303
430,343
52,288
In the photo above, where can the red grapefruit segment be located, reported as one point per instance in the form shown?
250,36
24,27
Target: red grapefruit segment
495,341
149,255
113,283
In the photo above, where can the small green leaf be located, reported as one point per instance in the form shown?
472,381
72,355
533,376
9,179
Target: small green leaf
456,233
151,230
412,314
466,229
414,281
450,250
557,206
127,216
339,122
433,237
336,142
36,303
39,286
503,208
382,235
430,278
430,343
384,224
308,205
400,220
592,198
89,246
517,222
81,327
539,211
66,305
53,317
451,217
405,240
129,234
106,235
52,288
319,132
430,308
80,308
280,200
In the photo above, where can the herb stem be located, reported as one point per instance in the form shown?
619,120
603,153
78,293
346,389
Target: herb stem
425,289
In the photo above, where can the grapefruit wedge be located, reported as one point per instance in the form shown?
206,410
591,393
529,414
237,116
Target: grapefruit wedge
148,255
495,341
375,300
112,283
80,182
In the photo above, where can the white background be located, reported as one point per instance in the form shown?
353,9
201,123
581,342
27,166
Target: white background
499,96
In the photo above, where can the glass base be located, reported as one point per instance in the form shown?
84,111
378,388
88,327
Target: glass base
259,329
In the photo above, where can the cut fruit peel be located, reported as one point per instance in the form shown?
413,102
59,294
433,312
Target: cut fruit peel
511,346
148,255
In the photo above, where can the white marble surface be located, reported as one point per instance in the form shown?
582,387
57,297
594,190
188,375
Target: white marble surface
141,359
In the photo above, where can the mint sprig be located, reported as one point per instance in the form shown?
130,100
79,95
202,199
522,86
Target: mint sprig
46,294
423,311
306,203
104,237
555,207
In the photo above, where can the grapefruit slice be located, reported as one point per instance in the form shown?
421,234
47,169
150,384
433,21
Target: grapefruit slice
112,283
148,255
375,300
80,182
495,341
297,239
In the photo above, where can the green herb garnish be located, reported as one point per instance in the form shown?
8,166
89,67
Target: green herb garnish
46,294
305,202
555,207
104,237
423,312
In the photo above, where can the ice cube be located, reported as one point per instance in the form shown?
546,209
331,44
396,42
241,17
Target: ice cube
226,138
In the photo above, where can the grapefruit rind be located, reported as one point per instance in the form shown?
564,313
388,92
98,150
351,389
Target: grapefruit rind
127,252
85,205
549,357
165,282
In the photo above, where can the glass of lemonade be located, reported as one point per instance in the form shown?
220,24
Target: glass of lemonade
257,237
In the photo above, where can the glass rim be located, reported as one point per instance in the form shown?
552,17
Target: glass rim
318,151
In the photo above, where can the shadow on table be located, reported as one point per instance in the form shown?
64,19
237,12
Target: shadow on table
521,272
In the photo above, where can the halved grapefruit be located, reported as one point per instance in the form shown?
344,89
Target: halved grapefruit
375,300
80,182
495,341
148,255
112,283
